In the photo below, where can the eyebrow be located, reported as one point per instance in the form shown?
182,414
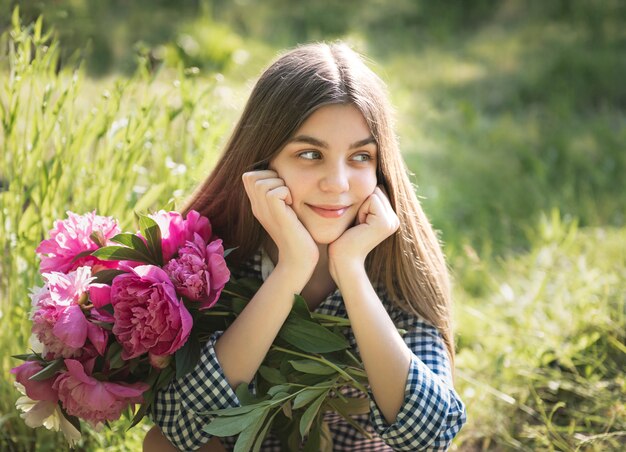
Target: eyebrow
322,144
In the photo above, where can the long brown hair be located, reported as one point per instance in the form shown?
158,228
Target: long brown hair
409,264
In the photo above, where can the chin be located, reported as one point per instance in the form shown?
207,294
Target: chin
326,238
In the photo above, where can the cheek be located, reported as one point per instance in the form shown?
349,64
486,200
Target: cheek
297,184
366,185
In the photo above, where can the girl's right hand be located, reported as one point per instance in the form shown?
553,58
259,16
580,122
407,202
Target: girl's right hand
271,200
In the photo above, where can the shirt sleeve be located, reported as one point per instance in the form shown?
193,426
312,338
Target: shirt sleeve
205,388
432,412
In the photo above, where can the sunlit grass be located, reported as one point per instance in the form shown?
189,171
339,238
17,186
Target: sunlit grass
542,348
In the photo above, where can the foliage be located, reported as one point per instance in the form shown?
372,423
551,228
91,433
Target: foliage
542,350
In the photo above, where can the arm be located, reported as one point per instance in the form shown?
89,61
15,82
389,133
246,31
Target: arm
244,345
385,355
234,356
414,405
432,412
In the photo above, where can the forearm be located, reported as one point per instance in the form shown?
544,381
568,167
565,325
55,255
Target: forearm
385,355
243,346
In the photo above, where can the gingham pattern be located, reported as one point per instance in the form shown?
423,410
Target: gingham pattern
430,417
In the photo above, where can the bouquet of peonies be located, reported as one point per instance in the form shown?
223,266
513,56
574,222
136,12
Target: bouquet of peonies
118,316
121,314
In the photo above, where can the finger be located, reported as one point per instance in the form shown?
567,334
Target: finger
249,179
364,210
262,186
280,193
377,206
383,190
382,194
260,174
382,208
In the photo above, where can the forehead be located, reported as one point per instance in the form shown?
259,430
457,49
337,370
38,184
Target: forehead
338,121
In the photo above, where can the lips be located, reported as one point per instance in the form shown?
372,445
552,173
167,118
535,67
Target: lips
329,211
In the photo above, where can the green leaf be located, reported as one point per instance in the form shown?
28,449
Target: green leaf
300,308
246,397
315,436
151,231
280,396
121,253
312,367
48,371
306,396
341,409
247,437
132,241
272,375
148,398
165,376
107,276
81,255
233,425
311,337
26,357
278,388
310,413
235,411
263,433
187,356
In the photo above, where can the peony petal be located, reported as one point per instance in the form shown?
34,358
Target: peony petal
129,391
75,369
220,274
98,337
38,414
152,273
71,327
35,389
100,294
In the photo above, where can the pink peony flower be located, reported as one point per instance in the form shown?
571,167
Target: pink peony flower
70,237
36,390
93,400
47,413
200,271
148,315
59,322
175,231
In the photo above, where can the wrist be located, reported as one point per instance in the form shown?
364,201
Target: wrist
294,276
346,269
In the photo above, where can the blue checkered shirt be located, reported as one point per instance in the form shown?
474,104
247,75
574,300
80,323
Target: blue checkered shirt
430,417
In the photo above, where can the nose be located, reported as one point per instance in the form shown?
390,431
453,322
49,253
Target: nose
335,178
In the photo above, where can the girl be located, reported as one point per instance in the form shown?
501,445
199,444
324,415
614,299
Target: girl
313,190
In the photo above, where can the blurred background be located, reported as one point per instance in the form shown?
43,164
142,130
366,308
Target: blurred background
510,114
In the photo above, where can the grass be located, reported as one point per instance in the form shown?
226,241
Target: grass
542,346
514,130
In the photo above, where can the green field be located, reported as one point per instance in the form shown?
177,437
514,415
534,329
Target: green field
511,117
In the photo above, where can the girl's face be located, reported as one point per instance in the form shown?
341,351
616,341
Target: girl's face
329,166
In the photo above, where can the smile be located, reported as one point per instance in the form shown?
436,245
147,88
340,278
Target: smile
329,211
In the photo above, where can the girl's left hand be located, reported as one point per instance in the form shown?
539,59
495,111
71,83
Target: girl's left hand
375,220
